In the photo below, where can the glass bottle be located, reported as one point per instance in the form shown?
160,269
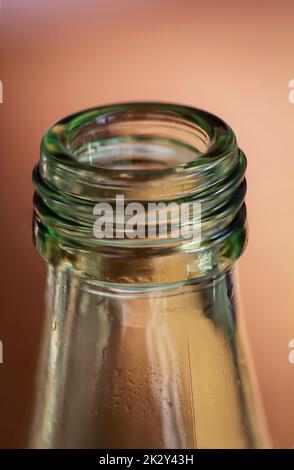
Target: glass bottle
143,342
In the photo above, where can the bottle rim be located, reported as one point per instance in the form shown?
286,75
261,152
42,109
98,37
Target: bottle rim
217,136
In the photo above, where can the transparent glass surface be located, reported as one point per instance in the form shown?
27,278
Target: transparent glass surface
142,344
145,368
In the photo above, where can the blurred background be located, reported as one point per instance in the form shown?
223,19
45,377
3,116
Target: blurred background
232,58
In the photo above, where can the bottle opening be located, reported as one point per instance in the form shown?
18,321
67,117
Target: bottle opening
138,140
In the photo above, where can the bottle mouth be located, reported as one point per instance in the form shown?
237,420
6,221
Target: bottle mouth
136,138
135,146
144,153
111,137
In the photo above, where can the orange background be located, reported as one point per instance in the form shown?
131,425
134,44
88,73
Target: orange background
234,59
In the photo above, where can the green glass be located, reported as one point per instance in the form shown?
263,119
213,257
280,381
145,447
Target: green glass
143,345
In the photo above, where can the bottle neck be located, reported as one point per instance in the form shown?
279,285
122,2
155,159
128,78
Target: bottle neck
145,153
